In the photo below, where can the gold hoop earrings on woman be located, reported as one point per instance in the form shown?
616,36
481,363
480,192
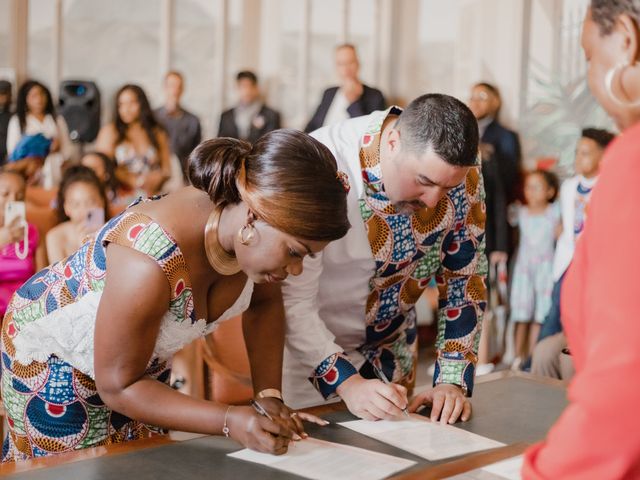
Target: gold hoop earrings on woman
222,261
246,234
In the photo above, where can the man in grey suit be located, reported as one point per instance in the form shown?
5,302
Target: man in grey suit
182,126
251,118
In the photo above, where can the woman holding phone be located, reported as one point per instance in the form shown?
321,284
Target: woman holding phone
18,259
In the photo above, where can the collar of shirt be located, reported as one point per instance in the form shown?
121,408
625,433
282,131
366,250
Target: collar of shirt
244,115
483,123
587,183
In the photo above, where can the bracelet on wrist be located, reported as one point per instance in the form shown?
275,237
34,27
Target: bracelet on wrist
270,393
225,427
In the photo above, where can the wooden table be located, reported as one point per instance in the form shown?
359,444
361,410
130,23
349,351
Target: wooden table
514,408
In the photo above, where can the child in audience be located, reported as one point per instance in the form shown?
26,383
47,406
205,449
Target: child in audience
538,223
82,208
105,169
548,359
15,268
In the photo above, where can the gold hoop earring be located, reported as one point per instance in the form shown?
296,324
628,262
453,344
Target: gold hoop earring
222,261
608,85
245,237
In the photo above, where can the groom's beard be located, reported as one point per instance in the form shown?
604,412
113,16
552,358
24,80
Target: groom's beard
409,208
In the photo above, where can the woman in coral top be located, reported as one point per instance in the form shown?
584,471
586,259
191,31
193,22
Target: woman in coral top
597,435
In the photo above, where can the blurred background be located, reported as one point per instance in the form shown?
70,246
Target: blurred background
530,49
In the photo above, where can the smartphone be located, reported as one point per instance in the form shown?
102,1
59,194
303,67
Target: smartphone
95,219
13,210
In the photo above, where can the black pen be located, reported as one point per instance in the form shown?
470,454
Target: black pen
260,409
380,374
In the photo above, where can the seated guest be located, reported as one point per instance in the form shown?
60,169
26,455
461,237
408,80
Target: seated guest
87,342
251,118
5,116
35,114
18,261
105,170
548,358
28,158
596,435
182,126
351,98
82,209
137,142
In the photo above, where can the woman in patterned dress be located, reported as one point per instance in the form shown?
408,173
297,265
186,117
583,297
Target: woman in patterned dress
87,342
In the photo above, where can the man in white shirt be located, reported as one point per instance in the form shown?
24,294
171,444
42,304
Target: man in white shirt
351,98
350,314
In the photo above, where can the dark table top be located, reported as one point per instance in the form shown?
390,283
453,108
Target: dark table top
510,408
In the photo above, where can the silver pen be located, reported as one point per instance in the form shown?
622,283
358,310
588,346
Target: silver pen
260,409
380,374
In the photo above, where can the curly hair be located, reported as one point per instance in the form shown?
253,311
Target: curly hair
21,102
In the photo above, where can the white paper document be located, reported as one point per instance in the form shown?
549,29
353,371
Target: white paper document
423,438
317,459
505,470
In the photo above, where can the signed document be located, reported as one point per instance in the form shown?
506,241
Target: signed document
505,470
422,437
317,459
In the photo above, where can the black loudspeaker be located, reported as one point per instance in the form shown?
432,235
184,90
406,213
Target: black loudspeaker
80,106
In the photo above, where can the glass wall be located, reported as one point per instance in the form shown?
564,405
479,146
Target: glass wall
40,50
192,54
436,45
5,47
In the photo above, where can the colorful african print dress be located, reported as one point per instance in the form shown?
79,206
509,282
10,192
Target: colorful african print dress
48,388
447,242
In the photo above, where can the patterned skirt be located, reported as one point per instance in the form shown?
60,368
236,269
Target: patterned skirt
53,408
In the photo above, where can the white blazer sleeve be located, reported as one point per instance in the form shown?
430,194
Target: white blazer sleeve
307,336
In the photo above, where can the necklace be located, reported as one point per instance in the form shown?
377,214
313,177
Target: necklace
222,261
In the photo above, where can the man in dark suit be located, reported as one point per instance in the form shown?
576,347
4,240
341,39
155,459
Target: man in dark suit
351,99
251,118
485,103
500,152
501,146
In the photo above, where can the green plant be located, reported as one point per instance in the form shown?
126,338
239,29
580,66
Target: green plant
557,112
